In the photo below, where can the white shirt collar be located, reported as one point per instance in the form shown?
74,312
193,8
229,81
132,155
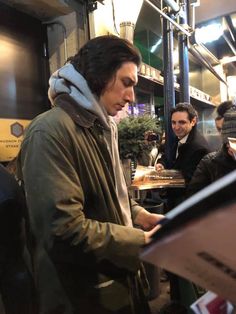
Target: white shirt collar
184,139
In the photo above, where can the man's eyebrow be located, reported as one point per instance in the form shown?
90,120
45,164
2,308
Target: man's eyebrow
180,121
134,82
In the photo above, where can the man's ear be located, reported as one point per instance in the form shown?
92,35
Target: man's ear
194,121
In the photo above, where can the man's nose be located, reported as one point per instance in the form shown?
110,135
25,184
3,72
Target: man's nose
129,95
176,125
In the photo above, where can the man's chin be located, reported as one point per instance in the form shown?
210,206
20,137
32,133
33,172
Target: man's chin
114,113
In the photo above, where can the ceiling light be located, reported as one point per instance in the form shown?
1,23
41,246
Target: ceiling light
209,33
154,47
226,60
126,15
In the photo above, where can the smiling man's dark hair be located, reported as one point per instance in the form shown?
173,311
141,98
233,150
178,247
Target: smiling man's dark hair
185,107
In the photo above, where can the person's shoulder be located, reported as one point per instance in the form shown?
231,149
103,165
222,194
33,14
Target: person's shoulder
199,141
52,117
49,121
210,157
198,134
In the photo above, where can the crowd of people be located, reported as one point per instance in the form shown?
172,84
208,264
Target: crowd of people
73,246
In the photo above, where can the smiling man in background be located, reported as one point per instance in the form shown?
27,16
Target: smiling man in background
189,148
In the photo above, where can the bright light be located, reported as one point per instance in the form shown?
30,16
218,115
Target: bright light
227,59
127,10
231,80
175,57
126,15
209,33
154,47
234,22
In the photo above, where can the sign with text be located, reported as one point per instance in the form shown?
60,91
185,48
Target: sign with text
11,136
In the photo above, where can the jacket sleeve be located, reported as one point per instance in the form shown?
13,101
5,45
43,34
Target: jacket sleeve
201,177
135,208
56,199
162,160
191,166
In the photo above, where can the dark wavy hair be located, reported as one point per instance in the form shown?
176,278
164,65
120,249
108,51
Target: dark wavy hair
222,108
100,58
185,107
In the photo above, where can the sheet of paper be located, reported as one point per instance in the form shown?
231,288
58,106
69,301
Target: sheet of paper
203,251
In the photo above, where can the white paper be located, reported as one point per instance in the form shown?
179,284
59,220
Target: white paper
203,251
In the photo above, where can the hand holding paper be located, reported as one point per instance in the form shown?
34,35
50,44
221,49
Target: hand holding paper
147,220
149,234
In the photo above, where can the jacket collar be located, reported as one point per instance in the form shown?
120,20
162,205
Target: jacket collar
79,115
191,136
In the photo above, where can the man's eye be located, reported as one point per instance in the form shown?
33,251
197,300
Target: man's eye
179,122
127,83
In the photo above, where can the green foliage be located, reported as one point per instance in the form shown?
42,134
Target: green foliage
132,143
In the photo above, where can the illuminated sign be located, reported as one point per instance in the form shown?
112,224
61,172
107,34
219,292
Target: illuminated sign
11,136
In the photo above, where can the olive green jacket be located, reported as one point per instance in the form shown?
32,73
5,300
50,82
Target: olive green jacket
80,245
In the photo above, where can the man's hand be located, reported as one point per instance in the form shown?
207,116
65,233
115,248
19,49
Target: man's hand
159,167
148,234
146,220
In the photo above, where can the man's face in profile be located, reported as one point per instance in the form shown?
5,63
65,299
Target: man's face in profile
120,89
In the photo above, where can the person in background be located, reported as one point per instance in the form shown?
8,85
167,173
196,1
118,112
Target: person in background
16,283
189,148
86,245
158,143
221,110
217,164
161,148
148,156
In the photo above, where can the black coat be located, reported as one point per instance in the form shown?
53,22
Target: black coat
16,283
211,168
11,213
189,155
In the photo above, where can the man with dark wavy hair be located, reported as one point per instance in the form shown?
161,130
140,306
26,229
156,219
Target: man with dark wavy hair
189,148
86,245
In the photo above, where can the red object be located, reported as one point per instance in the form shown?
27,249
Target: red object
217,306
